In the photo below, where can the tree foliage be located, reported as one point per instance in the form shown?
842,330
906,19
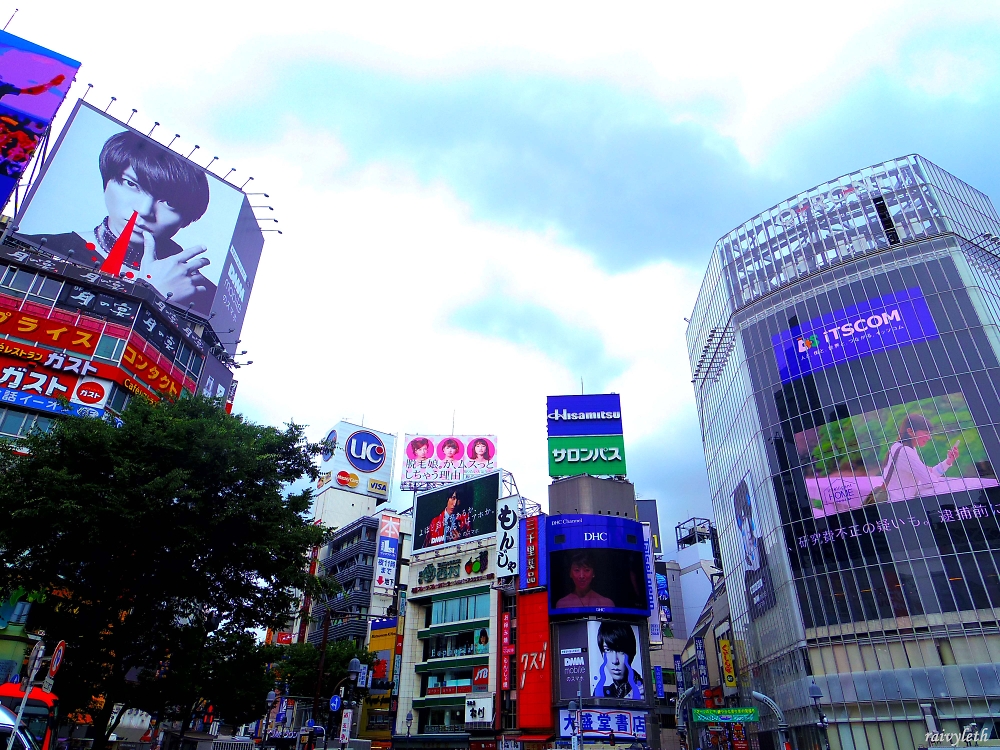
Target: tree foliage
169,536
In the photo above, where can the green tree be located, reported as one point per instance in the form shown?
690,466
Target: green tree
297,667
172,536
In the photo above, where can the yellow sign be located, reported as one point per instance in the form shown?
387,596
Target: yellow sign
728,668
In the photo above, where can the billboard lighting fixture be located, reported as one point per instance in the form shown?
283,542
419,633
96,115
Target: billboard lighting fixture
264,194
272,230
176,136
214,159
89,87
10,19
274,220
270,208
245,183
134,110
113,100
193,150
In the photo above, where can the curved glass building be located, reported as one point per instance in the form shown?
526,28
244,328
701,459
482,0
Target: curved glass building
845,357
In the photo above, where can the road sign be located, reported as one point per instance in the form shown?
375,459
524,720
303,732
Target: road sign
48,683
345,726
335,703
725,715
35,660
57,658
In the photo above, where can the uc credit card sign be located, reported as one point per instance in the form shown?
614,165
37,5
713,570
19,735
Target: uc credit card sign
595,414
875,325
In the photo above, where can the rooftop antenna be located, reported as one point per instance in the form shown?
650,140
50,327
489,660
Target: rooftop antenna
245,183
89,87
113,100
134,110
176,136
452,421
581,386
193,150
152,129
10,19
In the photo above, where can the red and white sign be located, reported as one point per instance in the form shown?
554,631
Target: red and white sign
92,392
57,658
389,526
347,479
481,676
534,667
506,651
284,639
531,551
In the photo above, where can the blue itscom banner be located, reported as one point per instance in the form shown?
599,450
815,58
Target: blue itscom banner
595,414
875,325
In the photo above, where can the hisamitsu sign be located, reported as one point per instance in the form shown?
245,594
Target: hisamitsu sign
595,414
725,715
875,325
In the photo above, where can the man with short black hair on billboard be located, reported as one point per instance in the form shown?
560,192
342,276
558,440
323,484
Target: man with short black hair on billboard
581,573
617,678
757,576
450,525
150,194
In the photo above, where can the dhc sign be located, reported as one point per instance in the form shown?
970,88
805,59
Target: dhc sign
596,414
875,325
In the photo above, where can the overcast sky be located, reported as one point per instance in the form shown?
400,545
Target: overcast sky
483,206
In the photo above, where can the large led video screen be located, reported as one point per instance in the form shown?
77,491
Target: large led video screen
596,565
111,196
456,513
34,81
918,449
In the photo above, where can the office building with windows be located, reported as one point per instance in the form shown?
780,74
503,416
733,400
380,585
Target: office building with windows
845,358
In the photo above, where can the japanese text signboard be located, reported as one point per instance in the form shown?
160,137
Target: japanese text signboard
388,552
534,671
726,715
507,542
728,667
655,629
596,722
507,649
699,650
48,331
600,455
532,544
435,460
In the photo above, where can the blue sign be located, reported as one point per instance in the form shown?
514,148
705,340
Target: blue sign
596,565
658,676
44,403
679,674
335,703
599,414
699,650
365,451
875,325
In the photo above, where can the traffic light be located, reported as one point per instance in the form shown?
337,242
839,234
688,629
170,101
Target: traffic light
611,739
713,697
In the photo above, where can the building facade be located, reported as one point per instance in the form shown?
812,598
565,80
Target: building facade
844,352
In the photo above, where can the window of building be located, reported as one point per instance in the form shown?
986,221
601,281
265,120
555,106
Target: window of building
45,289
460,608
110,348
17,280
459,679
443,720
12,422
118,399
454,644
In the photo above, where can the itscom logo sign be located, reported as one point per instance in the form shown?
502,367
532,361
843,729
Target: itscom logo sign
365,451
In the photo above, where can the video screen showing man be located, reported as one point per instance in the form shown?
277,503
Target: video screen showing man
598,579
114,198
450,525
457,512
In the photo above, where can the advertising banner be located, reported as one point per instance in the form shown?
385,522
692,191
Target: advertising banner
875,325
444,573
758,585
435,460
602,455
728,668
574,660
596,565
616,659
658,676
726,715
479,710
456,513
507,542
34,81
534,671
598,414
388,552
507,649
647,512
655,629
596,722
534,552
359,459
699,651
663,591
106,182
215,379
679,674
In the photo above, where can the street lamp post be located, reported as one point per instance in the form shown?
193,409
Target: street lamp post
353,670
271,698
817,695
409,723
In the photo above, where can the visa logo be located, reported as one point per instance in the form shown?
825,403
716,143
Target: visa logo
378,486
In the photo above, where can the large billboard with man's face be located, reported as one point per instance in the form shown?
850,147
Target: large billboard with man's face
456,513
596,564
33,83
112,197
